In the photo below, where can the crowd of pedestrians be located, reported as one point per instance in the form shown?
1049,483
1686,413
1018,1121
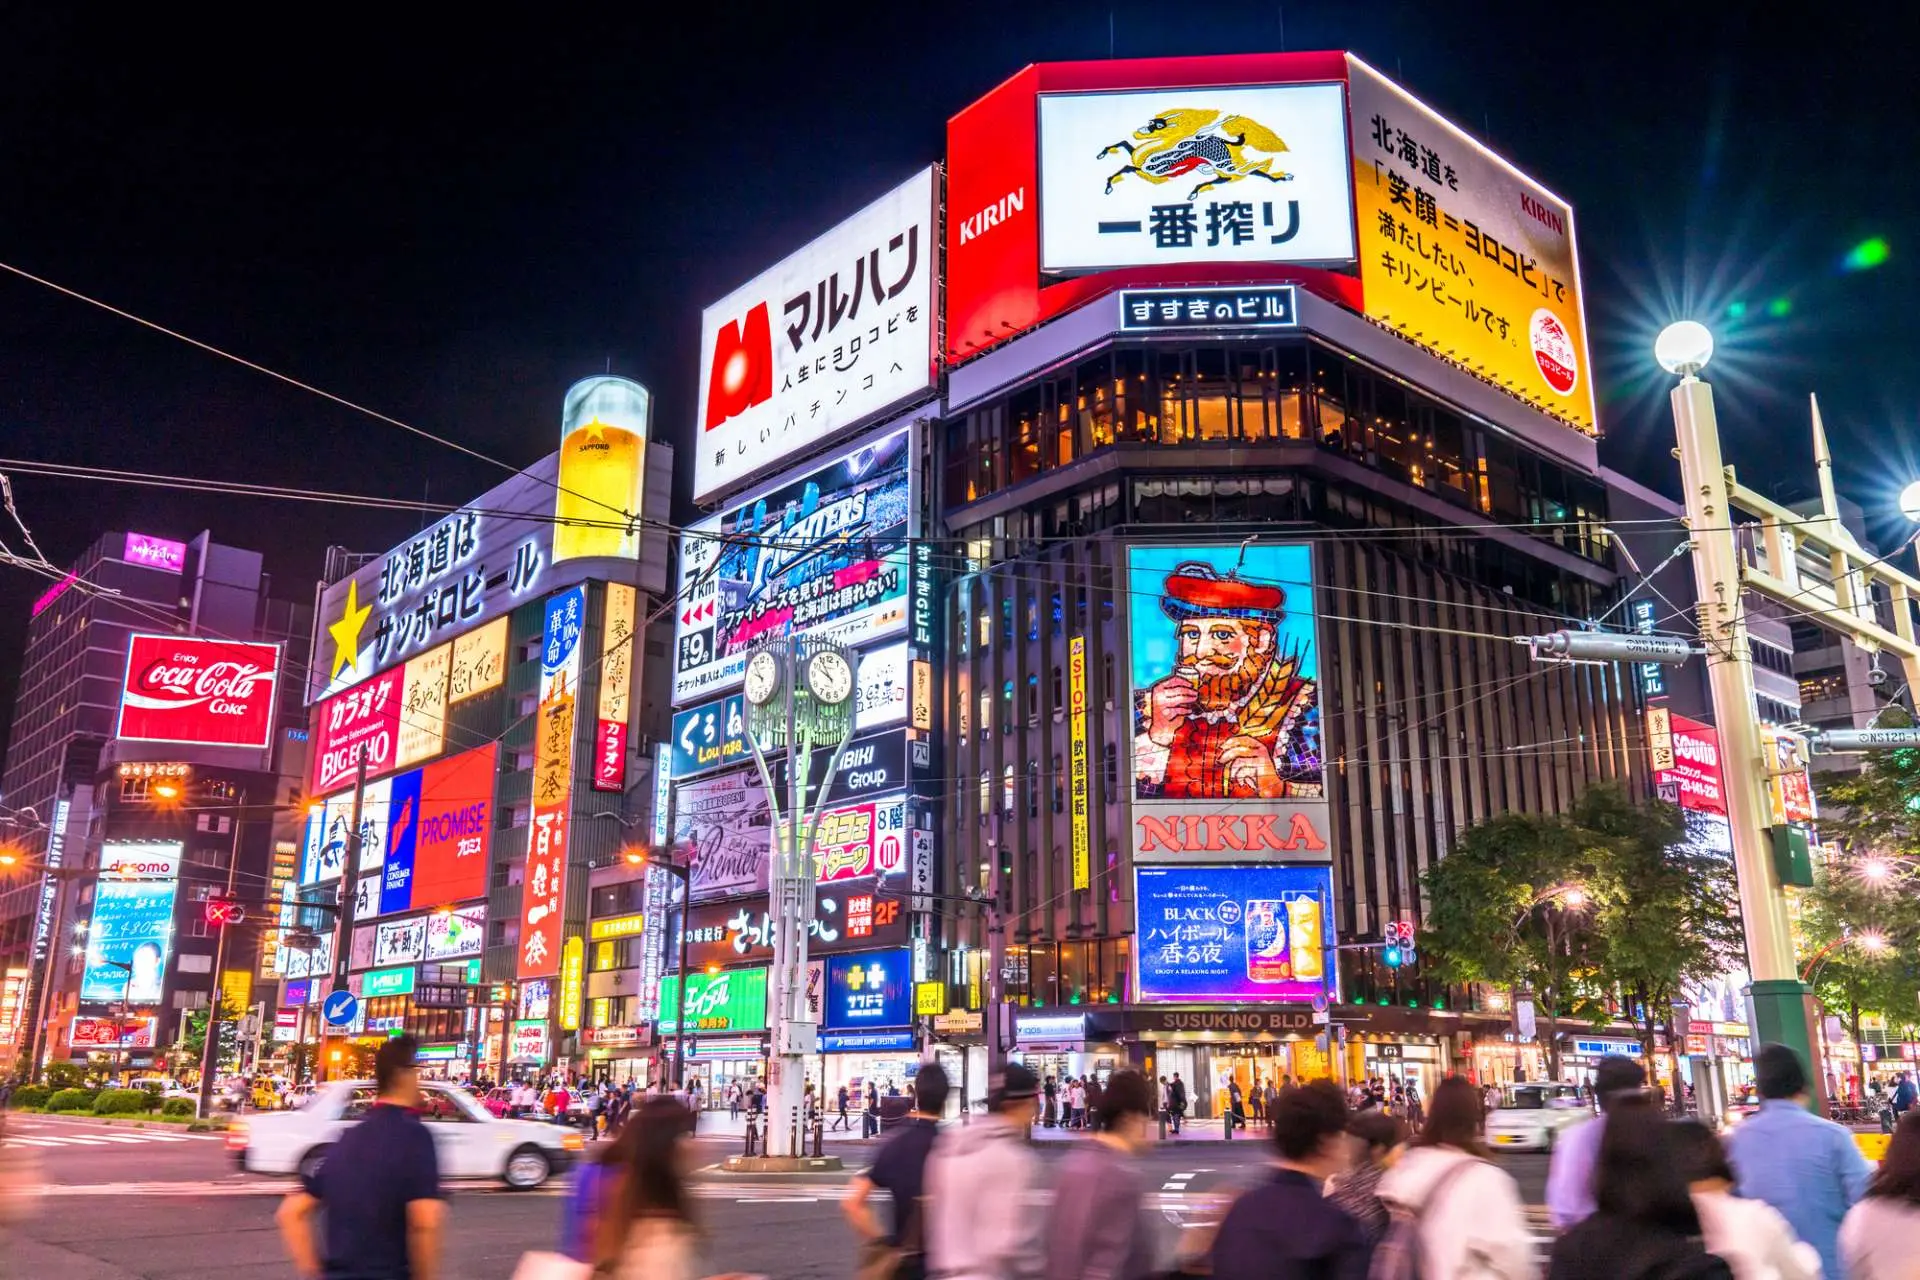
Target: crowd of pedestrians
1363,1184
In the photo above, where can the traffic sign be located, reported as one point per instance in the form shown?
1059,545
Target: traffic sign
339,1008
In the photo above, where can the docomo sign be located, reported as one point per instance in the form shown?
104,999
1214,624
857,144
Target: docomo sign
365,718
140,861
205,692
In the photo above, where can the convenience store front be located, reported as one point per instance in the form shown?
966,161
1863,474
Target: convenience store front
726,1042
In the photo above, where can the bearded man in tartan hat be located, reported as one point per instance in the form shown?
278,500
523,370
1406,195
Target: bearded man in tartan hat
1230,720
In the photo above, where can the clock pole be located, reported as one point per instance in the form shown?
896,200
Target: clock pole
799,693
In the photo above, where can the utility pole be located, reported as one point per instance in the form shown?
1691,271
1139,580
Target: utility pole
349,876
1778,997
1843,594
210,1048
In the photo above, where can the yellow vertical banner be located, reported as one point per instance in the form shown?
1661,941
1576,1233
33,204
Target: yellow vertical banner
1077,762
573,967
236,989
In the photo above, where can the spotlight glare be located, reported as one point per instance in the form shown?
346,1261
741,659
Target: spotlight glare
1868,254
1910,502
1684,347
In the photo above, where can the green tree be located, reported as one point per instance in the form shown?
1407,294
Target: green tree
193,1037
1513,903
1672,917
1859,925
1847,953
1877,809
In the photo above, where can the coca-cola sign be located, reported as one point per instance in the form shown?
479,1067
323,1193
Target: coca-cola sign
205,692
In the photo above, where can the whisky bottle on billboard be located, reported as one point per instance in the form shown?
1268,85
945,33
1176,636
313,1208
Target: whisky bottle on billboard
1267,959
603,444
1304,934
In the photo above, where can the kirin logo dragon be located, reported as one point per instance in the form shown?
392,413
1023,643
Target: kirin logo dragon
1220,146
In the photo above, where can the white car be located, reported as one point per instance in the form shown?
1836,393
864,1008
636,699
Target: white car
1531,1116
469,1142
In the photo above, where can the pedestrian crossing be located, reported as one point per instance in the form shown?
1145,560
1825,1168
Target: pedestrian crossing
51,1138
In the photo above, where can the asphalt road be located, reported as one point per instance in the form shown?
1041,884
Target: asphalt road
130,1204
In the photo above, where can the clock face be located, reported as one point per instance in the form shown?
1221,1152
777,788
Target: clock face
763,678
830,678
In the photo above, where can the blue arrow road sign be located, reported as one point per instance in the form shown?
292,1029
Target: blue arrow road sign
339,1008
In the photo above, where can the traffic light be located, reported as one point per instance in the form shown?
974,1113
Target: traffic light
1399,950
224,909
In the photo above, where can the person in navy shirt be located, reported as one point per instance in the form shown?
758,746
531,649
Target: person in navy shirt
379,1185
1286,1228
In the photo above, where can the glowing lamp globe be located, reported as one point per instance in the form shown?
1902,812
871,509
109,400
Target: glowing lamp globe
1683,347
1910,501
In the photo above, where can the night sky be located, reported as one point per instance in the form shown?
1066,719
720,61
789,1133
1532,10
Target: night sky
452,222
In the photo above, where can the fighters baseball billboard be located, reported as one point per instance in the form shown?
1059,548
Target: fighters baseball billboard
215,693
826,339
1194,175
1224,672
1465,255
824,551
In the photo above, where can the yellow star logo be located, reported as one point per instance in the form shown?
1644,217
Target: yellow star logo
346,632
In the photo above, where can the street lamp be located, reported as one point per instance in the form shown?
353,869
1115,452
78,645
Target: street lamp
1570,896
1684,347
684,874
1777,996
52,878
1871,941
634,856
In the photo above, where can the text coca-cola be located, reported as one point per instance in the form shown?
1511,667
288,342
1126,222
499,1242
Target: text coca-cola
188,689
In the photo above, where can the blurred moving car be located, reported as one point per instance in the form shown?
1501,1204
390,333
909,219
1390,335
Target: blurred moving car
470,1142
498,1102
1530,1116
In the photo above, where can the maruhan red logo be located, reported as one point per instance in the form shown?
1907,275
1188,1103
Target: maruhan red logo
741,373
184,689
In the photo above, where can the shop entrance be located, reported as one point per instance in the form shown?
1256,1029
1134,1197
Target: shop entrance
718,1076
